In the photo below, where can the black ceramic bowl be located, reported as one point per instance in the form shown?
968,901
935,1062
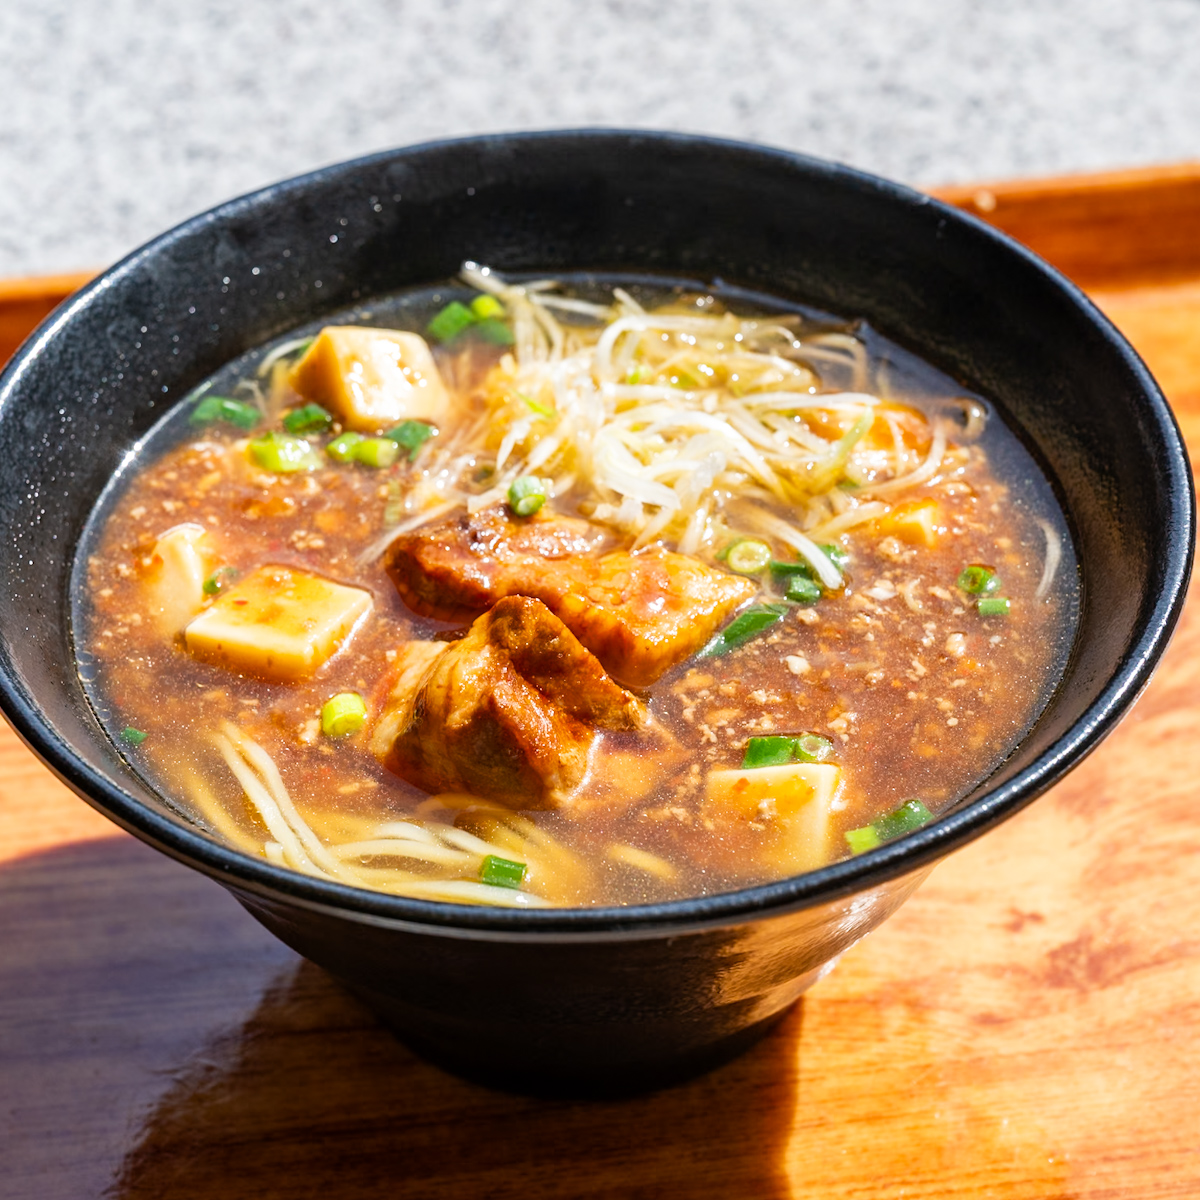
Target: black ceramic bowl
600,997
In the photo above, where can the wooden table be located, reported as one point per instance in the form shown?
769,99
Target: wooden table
1027,1026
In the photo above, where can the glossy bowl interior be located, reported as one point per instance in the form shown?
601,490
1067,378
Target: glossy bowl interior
622,997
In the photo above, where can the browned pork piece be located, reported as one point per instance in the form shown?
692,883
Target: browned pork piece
509,713
640,614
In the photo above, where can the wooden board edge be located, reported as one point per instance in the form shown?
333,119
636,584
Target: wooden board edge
46,288
1106,230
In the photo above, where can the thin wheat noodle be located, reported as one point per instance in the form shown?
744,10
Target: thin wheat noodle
257,757
403,848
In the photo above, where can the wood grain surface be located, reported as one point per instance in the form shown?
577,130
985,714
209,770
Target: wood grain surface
1028,1026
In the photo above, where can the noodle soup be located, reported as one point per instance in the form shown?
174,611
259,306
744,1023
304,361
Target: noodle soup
573,592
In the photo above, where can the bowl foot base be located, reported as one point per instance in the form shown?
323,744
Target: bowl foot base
559,1075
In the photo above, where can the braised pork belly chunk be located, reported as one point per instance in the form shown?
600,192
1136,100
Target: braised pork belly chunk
639,614
509,713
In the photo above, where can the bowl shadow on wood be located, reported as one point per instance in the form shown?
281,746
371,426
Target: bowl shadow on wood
226,1066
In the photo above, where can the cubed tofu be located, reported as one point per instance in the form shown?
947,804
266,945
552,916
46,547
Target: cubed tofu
371,379
278,623
791,803
174,579
915,522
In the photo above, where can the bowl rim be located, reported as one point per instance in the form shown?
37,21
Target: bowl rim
258,879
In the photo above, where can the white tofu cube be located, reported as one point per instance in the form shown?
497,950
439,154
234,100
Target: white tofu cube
278,623
174,579
792,803
371,379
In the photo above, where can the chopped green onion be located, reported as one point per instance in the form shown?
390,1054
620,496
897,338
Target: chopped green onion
776,751
862,840
979,580
502,872
133,737
450,322
494,331
283,454
223,408
994,606
343,714
411,436
526,495
746,625
767,752
218,579
911,815
811,747
783,571
310,418
484,307
341,449
747,556
802,591
375,452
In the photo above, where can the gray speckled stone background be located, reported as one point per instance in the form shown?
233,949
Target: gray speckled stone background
119,118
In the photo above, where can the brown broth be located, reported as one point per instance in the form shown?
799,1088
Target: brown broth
919,694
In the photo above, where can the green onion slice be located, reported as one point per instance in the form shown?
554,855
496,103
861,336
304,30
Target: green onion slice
747,556
777,751
978,580
224,408
485,307
494,331
310,418
341,449
450,322
411,436
804,591
343,714
746,625
767,752
218,579
910,816
862,840
994,606
811,747
133,737
502,872
781,572
526,495
283,454
375,452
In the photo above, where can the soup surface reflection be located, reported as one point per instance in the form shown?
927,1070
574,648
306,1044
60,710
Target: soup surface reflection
587,592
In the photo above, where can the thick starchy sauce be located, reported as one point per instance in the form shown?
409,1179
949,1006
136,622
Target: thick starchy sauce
920,695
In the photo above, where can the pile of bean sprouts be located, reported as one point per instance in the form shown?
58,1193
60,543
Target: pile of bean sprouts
684,425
